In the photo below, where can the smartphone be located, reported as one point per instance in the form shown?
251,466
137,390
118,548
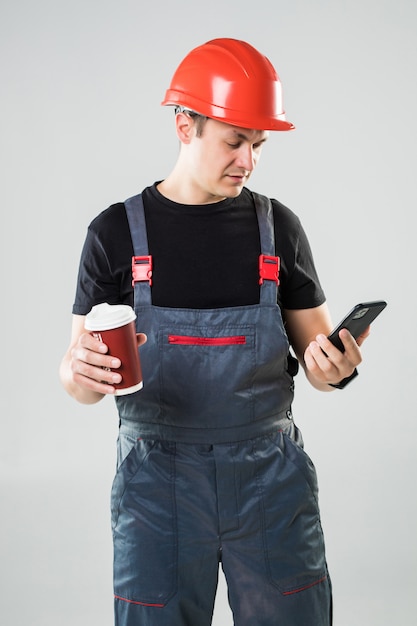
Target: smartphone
359,318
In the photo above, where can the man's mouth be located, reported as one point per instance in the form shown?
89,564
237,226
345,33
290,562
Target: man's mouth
238,176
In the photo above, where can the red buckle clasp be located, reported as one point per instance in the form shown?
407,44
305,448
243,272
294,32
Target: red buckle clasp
141,269
269,268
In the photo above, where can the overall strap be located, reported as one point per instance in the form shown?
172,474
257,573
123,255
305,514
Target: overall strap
141,262
268,263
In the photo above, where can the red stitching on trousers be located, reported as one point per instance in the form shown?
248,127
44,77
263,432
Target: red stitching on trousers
159,606
288,593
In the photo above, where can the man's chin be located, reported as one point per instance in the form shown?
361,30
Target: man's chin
233,191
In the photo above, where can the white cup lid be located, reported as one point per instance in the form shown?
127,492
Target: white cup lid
108,316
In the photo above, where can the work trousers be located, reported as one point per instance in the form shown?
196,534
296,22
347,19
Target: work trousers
179,510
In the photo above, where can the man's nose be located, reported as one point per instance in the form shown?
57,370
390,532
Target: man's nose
246,158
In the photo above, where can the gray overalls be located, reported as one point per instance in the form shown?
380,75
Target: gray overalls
211,467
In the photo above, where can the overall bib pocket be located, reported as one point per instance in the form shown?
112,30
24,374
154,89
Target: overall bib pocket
144,525
201,367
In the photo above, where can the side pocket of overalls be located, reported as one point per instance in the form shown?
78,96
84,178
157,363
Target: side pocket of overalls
294,543
144,525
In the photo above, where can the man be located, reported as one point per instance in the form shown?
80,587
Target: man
211,466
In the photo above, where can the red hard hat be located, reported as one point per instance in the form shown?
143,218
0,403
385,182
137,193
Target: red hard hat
230,81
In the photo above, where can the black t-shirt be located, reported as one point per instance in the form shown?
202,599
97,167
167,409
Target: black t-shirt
204,256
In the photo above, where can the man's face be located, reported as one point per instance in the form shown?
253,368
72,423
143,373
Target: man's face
222,159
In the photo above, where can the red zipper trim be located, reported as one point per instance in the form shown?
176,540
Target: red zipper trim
185,340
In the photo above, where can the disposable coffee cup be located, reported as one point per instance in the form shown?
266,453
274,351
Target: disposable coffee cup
114,325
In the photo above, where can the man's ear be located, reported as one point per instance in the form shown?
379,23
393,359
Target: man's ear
185,127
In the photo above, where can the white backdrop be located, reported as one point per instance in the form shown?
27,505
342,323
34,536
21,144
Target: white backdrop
81,128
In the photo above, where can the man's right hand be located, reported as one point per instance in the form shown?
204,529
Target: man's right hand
87,372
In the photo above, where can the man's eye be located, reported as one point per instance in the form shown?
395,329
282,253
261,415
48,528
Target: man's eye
233,145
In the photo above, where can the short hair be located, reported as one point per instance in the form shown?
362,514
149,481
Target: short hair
200,120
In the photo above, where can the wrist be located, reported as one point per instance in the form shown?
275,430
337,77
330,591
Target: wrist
345,381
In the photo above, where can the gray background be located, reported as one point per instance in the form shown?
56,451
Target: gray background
81,128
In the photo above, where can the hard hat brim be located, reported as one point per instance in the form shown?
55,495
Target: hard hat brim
228,116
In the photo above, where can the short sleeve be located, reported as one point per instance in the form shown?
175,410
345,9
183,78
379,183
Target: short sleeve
300,286
104,273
